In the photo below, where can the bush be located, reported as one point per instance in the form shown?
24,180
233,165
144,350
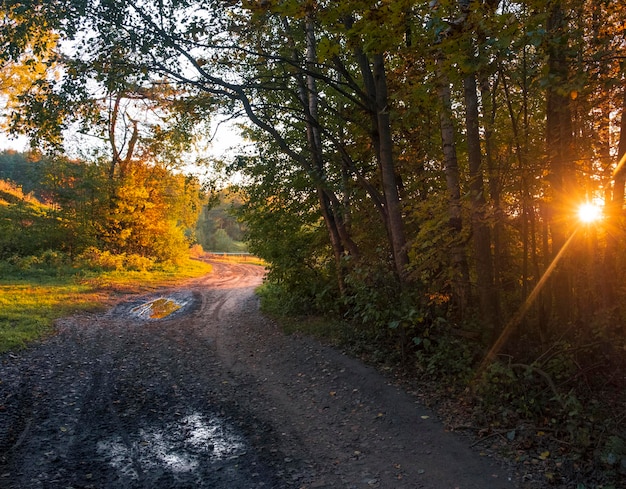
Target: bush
95,259
101,260
137,263
443,355
373,296
196,251
170,246
297,294
52,258
49,263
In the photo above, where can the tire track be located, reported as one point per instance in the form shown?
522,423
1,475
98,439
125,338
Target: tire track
216,397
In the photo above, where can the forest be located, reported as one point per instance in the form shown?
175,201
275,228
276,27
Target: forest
444,179
71,207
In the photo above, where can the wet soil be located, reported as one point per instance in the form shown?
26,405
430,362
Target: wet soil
213,395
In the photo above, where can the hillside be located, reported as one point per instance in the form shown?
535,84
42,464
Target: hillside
12,194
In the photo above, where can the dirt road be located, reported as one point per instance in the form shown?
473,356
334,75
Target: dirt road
215,396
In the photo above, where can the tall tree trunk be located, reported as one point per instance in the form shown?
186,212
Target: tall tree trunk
387,169
330,206
559,141
481,234
529,246
620,171
493,177
453,185
616,215
458,256
376,99
338,234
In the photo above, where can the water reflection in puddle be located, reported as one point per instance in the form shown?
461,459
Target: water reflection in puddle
177,447
158,308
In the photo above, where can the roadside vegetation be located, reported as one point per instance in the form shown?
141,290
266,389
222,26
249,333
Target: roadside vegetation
560,415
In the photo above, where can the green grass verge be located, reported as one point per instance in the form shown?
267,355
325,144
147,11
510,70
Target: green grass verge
31,302
247,259
328,329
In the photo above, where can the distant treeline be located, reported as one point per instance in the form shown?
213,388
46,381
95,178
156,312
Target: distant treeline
69,206
21,169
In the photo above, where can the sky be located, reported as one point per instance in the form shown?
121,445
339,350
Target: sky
225,141
19,144
225,144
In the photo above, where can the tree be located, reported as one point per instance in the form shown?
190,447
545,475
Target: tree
481,232
441,142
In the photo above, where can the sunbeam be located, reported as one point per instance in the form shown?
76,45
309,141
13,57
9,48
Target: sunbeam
519,315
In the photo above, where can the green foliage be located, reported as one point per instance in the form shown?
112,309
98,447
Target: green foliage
95,259
296,283
373,297
316,126
218,228
548,395
512,394
293,289
47,261
27,226
276,302
169,245
432,244
220,241
444,356
283,227
23,170
150,213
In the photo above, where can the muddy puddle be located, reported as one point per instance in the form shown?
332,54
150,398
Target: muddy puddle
178,447
163,306
158,308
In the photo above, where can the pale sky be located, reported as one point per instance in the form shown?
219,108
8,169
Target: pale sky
226,139
19,144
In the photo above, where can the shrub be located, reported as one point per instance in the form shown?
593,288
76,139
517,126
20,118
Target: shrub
137,263
443,355
196,251
52,258
101,260
170,246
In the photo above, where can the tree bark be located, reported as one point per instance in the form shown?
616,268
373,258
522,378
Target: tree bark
458,257
619,179
559,141
481,234
615,236
376,100
387,169
338,234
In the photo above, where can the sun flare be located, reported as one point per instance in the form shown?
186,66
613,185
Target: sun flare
589,212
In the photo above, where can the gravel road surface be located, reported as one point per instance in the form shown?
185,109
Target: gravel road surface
215,396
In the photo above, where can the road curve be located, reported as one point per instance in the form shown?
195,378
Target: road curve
214,396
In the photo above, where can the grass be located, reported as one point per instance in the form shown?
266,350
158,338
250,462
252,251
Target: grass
30,301
243,258
326,328
28,308
130,281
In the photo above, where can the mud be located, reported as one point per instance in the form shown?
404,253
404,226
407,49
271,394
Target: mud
210,394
